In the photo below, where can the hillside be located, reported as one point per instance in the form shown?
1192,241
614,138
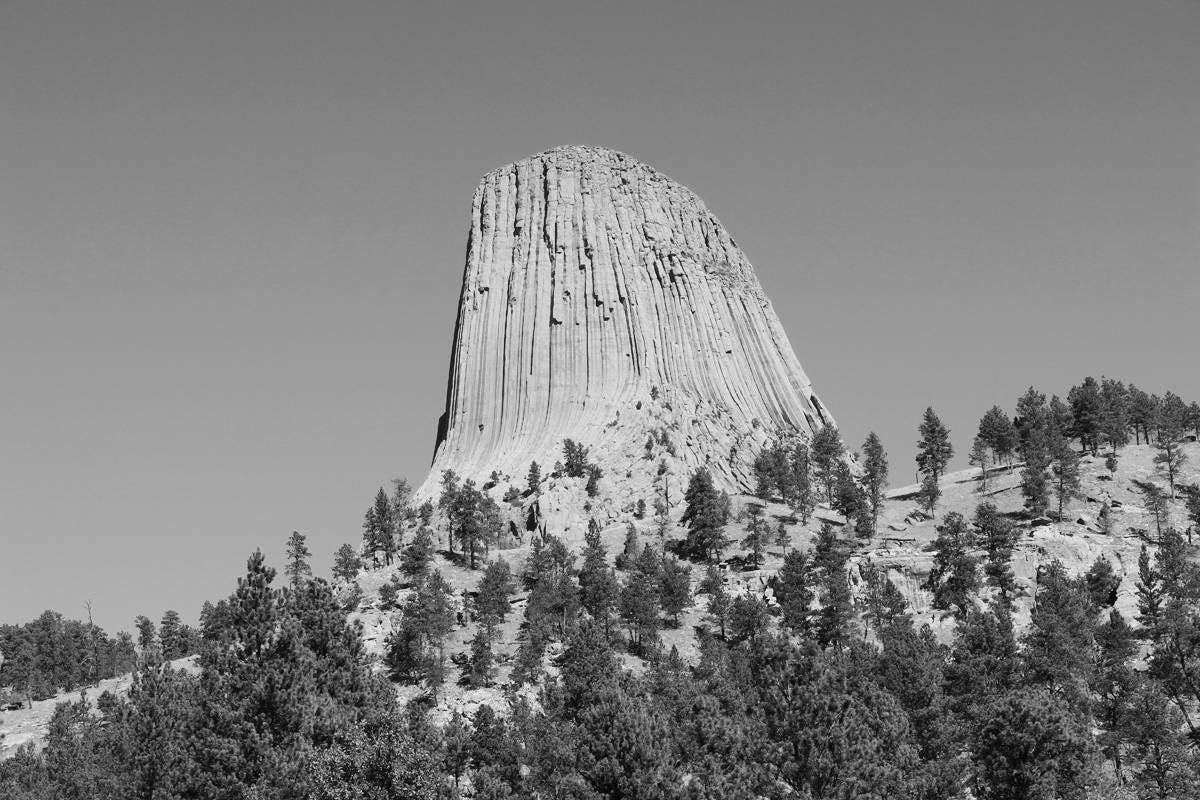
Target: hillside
902,546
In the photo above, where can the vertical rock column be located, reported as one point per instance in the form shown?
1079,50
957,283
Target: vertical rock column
590,279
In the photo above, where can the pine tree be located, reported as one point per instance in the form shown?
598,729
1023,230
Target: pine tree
1087,413
297,568
446,503
978,457
704,517
534,479
480,667
1102,583
934,452
674,588
1032,419
885,605
997,432
748,618
757,533
492,597
418,555
1059,644
1191,495
1113,684
794,593
719,606
346,563
639,603
1064,465
385,520
826,451
830,556
575,459
172,635
1114,414
998,537
1151,596
598,586
1170,457
1156,504
1143,413
801,500
147,641
429,613
1035,485
954,578
1031,746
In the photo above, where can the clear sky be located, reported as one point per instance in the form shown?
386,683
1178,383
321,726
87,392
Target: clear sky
232,234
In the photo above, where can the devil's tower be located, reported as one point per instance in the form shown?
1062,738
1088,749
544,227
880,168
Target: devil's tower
602,302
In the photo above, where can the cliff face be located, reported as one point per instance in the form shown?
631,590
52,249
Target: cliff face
604,303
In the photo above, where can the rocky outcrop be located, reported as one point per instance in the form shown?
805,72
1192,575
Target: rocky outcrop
604,303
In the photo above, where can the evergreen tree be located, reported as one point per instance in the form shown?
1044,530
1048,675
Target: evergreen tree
978,457
748,618
173,636
447,500
825,452
1113,684
1114,415
418,555
1035,485
1102,583
492,597
598,586
1031,747
998,537
1065,467
1150,596
639,602
885,605
954,578
1143,414
428,618
480,666
1156,504
1032,419
346,563
794,593
704,517
575,459
1059,644
147,640
674,588
534,479
1087,414
829,559
757,534
298,554
719,607
1170,457
934,452
801,499
997,432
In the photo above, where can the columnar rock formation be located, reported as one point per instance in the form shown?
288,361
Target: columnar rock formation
603,302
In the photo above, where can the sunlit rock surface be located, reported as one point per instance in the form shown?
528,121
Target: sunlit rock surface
592,284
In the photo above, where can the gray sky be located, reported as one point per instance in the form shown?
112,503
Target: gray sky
232,234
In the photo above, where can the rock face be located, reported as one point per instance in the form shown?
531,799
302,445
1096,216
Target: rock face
603,302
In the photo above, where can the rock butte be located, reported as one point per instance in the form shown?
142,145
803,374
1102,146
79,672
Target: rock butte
591,281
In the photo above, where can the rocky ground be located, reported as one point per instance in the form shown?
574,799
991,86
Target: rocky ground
31,722
902,546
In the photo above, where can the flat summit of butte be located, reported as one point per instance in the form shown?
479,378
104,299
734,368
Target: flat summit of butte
603,302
